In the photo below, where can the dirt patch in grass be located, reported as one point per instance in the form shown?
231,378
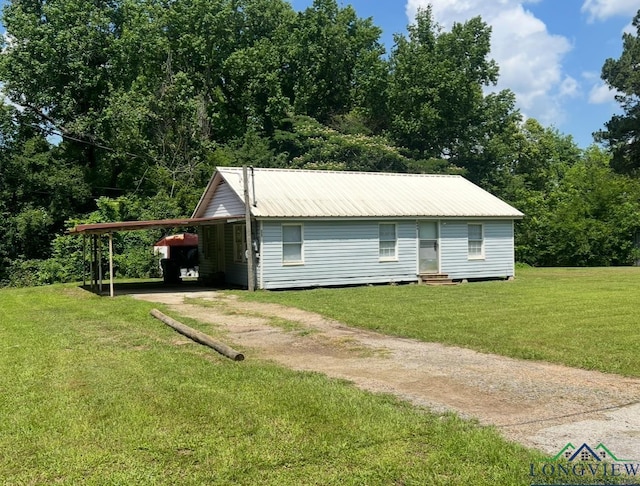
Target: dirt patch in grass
538,404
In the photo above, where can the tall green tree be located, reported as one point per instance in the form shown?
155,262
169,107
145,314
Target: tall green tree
488,151
622,132
39,189
142,91
543,155
587,217
436,102
56,64
334,57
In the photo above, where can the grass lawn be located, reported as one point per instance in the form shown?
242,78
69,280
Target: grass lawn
95,391
588,317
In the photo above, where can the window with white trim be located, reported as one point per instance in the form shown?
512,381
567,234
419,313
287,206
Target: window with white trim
239,244
387,241
476,241
292,244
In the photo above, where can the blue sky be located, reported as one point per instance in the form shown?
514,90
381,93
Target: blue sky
550,52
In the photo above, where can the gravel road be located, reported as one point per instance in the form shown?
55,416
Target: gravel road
539,405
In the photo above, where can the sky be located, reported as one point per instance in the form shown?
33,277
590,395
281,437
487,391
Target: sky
550,52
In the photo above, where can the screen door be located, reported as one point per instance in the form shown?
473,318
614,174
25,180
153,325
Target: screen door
428,254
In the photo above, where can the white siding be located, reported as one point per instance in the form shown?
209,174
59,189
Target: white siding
347,253
224,202
498,258
337,253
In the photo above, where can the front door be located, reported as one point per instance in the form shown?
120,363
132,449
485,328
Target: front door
213,246
428,247
219,249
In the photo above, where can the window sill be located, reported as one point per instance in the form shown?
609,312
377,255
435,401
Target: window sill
382,260
476,259
292,264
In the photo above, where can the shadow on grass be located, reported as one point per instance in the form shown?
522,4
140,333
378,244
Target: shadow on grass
155,286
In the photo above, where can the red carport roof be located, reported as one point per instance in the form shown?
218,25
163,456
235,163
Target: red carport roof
183,239
102,228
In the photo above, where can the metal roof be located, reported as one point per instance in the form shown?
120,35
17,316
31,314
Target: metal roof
289,193
102,228
182,239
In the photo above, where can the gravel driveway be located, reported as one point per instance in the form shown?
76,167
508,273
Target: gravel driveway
538,404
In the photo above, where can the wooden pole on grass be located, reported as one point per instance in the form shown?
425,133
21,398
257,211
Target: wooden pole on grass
198,336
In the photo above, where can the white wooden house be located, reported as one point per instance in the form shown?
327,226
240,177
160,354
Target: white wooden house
324,228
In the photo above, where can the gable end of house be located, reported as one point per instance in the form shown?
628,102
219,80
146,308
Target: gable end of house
222,201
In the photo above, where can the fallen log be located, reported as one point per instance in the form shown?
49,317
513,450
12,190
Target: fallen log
198,336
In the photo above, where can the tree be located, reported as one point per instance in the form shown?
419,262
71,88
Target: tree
335,58
310,145
39,190
622,132
56,65
487,153
436,85
543,155
589,218
143,90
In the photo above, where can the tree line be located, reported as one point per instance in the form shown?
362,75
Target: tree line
121,109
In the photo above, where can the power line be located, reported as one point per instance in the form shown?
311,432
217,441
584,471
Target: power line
62,134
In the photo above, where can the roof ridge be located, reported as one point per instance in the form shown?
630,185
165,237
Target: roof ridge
323,171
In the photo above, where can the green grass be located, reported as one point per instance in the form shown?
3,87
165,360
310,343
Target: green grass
587,318
95,391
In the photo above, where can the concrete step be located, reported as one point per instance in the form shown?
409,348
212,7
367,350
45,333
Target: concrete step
436,279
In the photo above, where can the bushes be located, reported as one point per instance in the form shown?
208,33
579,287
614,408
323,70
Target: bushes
588,219
137,262
31,273
133,251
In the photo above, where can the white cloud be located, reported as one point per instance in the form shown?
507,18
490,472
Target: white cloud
530,58
604,9
569,88
591,75
629,29
601,93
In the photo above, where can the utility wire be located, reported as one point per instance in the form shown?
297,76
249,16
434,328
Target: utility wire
61,134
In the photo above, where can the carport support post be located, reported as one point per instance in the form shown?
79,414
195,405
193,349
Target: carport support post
251,273
111,293
100,264
84,260
94,258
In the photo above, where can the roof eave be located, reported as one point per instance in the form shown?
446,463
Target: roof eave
370,217
112,227
206,196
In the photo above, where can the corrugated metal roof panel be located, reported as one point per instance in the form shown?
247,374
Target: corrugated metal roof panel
313,193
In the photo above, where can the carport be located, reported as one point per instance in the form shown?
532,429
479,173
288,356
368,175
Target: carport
96,231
